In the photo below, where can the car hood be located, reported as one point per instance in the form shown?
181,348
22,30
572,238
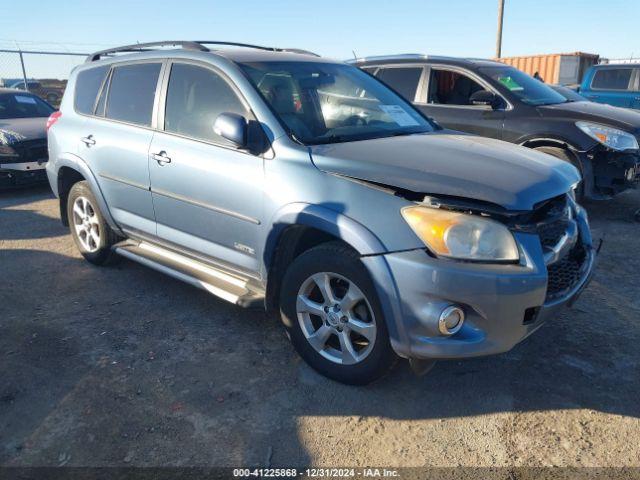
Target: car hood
623,118
14,130
452,164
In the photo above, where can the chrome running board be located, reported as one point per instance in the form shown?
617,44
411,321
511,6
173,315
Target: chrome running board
228,287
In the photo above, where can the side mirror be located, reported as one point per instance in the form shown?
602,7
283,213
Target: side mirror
233,127
486,98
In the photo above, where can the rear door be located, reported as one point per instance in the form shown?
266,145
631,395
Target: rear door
612,85
116,140
207,194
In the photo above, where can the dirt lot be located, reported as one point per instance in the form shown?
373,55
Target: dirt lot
125,366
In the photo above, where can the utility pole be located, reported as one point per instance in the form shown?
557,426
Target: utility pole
499,38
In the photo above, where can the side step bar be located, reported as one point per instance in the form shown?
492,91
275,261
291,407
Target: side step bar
231,288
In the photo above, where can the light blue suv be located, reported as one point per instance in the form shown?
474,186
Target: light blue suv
283,180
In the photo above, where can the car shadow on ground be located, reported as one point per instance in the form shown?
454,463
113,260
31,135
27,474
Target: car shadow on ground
27,224
124,366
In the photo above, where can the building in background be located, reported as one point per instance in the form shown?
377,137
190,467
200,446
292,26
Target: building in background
558,68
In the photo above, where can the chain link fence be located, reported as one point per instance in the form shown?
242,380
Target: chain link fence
43,73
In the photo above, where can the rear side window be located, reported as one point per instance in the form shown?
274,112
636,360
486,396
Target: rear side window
88,83
195,98
132,92
402,80
612,78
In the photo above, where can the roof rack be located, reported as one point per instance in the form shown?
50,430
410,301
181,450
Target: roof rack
198,45
377,58
143,47
236,44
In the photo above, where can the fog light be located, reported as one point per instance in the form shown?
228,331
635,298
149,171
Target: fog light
451,320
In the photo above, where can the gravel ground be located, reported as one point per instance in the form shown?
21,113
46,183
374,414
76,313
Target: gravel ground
124,366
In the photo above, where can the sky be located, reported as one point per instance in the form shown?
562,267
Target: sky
333,28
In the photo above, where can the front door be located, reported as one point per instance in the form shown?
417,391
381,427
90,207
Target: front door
207,194
116,143
447,100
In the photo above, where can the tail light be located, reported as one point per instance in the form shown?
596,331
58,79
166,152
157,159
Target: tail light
53,118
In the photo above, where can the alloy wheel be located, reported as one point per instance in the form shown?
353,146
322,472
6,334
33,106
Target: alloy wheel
336,318
86,224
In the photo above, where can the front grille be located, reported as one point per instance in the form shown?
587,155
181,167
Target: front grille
565,274
553,219
551,233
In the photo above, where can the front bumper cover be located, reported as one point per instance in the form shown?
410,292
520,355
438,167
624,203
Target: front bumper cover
503,303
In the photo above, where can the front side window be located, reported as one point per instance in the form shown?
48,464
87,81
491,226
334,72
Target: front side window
612,78
522,86
403,80
195,98
329,103
132,92
23,105
88,83
448,87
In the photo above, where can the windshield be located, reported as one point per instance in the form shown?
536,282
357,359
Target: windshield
524,87
570,95
329,103
23,105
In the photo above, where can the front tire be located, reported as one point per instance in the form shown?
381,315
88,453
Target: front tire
91,233
332,314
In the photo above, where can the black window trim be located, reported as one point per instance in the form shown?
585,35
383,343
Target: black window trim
164,87
475,77
617,67
112,66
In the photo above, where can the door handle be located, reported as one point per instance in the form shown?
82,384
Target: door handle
88,141
161,157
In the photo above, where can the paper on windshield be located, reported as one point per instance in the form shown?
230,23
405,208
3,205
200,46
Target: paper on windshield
399,115
23,99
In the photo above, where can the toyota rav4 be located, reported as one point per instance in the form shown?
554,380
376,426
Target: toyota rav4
279,179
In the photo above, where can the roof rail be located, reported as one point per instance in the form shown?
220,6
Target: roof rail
298,50
236,44
142,47
198,45
377,58
259,47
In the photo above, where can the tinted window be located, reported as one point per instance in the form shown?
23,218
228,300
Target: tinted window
402,80
23,105
612,78
87,85
131,93
195,98
451,88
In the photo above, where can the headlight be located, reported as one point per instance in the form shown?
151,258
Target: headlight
7,151
610,137
461,236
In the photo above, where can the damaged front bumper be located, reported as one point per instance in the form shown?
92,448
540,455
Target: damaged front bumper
503,303
608,173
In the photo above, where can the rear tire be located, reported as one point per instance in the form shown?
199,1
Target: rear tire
91,233
344,336
566,156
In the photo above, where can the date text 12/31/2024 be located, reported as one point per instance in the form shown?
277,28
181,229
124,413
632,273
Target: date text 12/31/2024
315,473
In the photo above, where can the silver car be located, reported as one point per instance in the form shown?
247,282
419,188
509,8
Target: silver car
281,180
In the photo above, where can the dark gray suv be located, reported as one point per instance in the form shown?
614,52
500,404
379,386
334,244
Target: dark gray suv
286,181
